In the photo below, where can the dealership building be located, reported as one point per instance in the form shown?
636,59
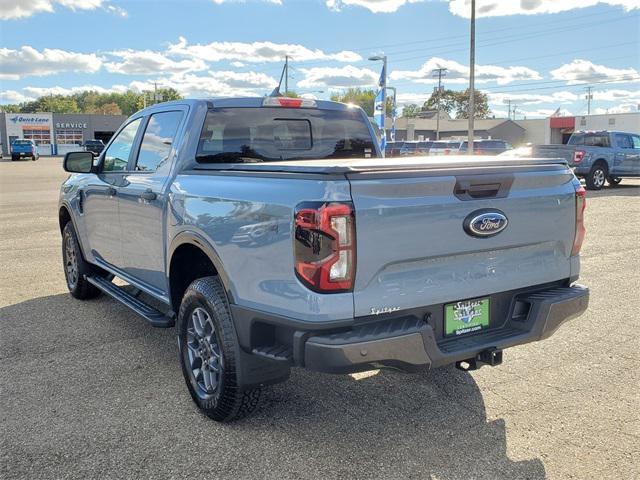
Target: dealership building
57,133
516,132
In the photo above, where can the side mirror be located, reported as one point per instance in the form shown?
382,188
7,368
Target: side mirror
78,162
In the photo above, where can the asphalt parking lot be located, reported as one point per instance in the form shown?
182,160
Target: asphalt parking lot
89,390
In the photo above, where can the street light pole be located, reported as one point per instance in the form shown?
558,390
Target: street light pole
472,65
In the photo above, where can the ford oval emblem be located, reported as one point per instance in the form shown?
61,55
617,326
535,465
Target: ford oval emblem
485,223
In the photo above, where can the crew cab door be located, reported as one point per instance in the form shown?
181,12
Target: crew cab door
143,199
625,154
100,197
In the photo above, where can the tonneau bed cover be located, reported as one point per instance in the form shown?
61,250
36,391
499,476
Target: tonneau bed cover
350,165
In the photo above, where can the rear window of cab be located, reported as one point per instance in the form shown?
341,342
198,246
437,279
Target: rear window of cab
271,134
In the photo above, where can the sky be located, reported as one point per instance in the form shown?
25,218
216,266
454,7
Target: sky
539,54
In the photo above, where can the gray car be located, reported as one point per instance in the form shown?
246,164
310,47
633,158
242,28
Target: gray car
271,234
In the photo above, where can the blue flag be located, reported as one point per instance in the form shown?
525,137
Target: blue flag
379,109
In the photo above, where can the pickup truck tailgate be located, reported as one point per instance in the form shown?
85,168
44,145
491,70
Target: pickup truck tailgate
412,249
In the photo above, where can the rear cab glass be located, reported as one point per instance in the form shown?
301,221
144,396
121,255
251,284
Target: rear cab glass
271,134
589,139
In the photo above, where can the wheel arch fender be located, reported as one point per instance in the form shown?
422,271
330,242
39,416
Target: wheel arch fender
190,237
601,161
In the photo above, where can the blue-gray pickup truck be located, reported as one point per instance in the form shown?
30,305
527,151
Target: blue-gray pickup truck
24,149
598,156
273,235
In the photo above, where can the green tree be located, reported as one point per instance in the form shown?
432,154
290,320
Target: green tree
57,104
110,109
166,94
481,104
447,99
457,102
410,111
364,98
11,108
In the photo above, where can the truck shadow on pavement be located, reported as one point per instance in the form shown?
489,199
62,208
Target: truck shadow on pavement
109,399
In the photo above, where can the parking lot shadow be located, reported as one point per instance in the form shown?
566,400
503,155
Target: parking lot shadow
103,375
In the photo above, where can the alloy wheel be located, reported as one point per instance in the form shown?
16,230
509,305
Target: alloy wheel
598,178
204,353
71,262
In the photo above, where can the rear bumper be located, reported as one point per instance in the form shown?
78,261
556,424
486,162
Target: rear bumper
405,341
411,344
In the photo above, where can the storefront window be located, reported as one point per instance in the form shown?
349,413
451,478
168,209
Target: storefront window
68,137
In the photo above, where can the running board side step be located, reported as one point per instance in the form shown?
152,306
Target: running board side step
155,317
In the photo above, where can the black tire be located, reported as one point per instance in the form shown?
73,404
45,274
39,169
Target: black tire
217,353
597,176
14,158
76,279
613,181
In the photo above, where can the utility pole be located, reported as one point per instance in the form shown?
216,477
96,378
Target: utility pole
472,65
514,111
589,97
508,102
439,72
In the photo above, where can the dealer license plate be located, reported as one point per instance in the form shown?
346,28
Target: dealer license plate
466,316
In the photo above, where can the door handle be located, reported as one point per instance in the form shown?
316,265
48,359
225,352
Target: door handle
111,191
148,194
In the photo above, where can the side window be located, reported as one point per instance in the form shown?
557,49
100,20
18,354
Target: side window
116,157
635,139
157,140
624,141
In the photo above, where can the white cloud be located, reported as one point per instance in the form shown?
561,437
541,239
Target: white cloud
13,96
561,97
116,10
338,77
35,92
622,108
245,79
496,8
216,84
541,113
28,61
220,2
614,95
409,98
375,6
237,64
256,52
147,62
584,71
14,9
459,74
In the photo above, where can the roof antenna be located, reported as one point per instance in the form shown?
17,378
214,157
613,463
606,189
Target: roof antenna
276,91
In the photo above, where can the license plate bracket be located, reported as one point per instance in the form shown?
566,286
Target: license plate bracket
466,316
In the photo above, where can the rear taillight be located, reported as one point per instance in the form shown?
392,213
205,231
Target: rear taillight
447,151
581,203
324,247
578,156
